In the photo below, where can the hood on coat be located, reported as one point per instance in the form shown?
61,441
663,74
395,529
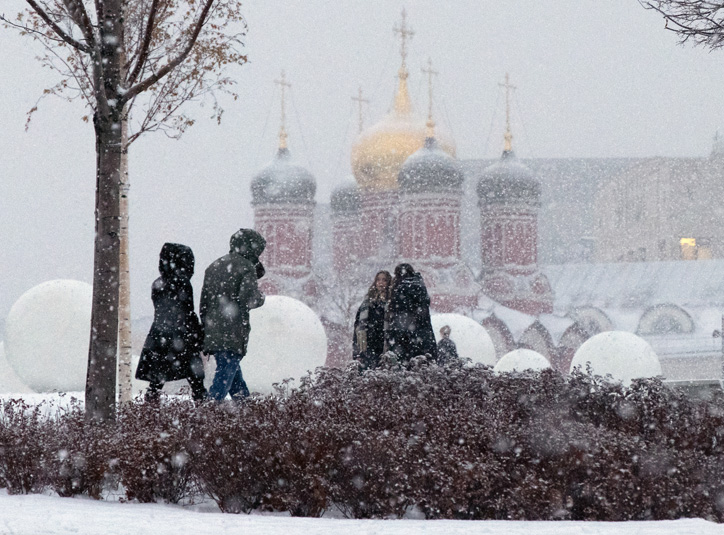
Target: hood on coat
404,271
260,270
176,261
412,280
409,291
249,244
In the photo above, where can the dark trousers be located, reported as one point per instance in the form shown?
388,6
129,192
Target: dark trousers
228,378
198,391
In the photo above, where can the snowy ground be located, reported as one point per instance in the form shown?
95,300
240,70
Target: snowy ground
47,515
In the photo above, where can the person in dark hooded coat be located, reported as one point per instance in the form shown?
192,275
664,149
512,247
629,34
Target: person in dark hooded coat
447,351
173,345
368,340
230,290
408,329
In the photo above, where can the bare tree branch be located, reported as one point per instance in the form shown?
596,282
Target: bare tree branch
57,29
77,12
40,35
699,21
172,64
143,53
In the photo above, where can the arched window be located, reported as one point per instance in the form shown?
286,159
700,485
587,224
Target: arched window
537,338
591,319
665,319
570,341
500,334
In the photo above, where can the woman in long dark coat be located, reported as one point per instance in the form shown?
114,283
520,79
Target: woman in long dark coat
408,330
369,324
172,348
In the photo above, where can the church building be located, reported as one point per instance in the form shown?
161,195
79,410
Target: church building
494,241
405,205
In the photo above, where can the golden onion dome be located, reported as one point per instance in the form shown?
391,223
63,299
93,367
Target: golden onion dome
379,151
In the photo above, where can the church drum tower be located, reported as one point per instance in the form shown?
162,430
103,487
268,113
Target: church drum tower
283,201
509,201
430,183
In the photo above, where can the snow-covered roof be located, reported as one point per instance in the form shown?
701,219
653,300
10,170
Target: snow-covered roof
430,169
638,285
685,345
518,322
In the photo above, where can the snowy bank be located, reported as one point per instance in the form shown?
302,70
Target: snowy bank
35,514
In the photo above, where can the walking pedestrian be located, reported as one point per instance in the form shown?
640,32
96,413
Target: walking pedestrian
230,290
173,345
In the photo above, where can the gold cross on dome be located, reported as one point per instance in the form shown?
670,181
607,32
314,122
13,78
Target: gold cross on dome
404,32
282,130
430,73
360,101
508,135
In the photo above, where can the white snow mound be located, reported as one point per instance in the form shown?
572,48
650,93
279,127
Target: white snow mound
47,334
9,381
287,339
621,354
521,359
471,338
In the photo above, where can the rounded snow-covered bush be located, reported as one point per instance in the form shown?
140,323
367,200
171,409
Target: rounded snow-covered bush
471,338
621,354
47,334
287,340
521,359
10,383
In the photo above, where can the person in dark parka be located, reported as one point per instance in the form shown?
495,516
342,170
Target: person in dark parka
368,341
408,329
447,351
230,290
173,345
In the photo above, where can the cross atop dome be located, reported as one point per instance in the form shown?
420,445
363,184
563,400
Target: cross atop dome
404,32
282,130
508,135
360,101
403,106
430,73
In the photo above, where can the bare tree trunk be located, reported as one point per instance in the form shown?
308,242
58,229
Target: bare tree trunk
124,297
100,392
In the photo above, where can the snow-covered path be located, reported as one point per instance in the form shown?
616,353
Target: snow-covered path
46,515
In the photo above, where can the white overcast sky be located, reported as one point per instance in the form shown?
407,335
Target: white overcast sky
595,78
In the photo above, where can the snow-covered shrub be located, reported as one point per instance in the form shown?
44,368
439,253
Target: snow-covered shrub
23,431
452,442
152,450
233,453
370,474
306,443
80,455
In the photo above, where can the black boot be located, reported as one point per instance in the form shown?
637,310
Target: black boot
153,392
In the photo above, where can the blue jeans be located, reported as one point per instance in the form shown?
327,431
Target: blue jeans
228,378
